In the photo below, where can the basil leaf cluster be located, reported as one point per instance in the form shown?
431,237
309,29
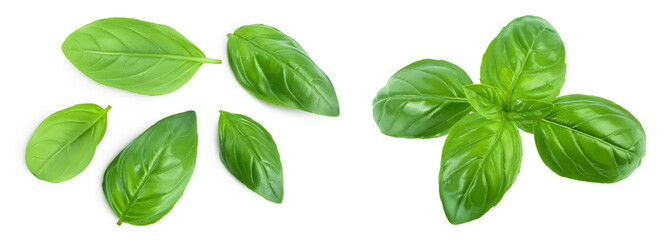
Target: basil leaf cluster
580,137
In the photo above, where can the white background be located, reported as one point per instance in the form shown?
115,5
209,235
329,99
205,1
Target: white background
343,178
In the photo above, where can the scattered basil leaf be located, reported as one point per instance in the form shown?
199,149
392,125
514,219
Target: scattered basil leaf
143,183
134,55
486,100
480,161
422,100
250,154
526,60
275,68
527,110
590,139
64,143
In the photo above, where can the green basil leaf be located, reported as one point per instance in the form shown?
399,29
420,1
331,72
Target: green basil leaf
422,100
526,60
275,68
525,126
590,139
480,161
250,154
143,183
134,55
64,143
486,100
527,110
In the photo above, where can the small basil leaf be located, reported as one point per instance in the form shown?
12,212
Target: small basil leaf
422,100
275,68
526,60
250,154
590,139
64,143
480,161
527,110
143,183
486,100
134,55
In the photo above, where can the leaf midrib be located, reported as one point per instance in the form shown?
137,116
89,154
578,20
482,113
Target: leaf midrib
588,135
527,55
149,55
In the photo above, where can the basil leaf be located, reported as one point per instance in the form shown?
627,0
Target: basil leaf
64,143
527,110
480,161
134,55
422,100
486,100
275,68
250,154
526,60
143,183
590,139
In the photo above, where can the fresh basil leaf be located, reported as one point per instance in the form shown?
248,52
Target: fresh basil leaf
480,161
486,100
275,68
590,139
527,110
134,55
422,100
64,143
526,60
143,183
525,126
250,154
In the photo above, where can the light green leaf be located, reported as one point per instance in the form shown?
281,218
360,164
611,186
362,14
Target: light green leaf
486,100
527,110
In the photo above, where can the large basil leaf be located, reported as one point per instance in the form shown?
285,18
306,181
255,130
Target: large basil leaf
134,55
527,110
590,139
526,60
481,159
64,143
143,183
486,100
275,68
422,100
250,154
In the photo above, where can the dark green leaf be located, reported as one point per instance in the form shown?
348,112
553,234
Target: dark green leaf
486,100
527,110
275,68
590,139
526,60
64,143
143,183
250,154
480,161
422,100
134,55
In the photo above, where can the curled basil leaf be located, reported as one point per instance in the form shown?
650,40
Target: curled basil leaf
526,60
250,154
480,161
527,110
590,139
486,100
422,100
134,55
275,68
143,183
64,143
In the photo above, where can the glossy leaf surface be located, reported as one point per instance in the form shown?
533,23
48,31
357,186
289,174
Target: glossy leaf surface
250,154
526,60
486,100
134,55
590,139
64,143
274,68
480,161
422,100
143,183
527,110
